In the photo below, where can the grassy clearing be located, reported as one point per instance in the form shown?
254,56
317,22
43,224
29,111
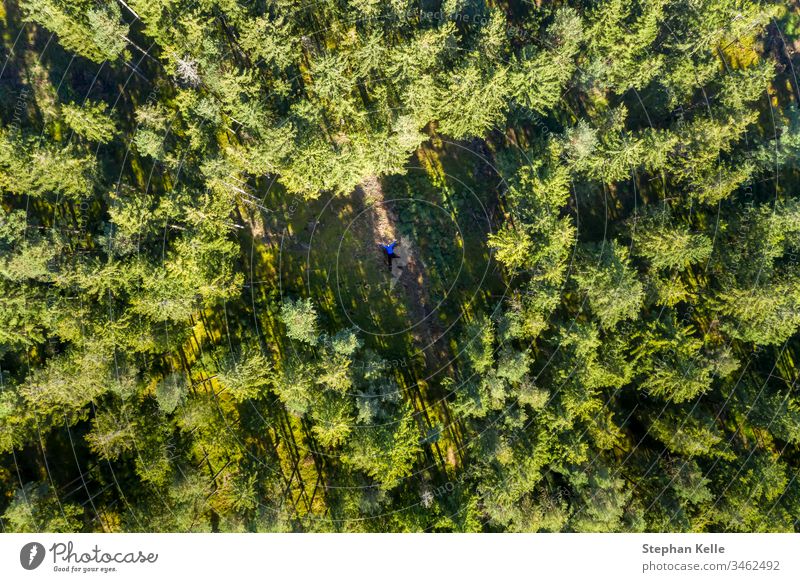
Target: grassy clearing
328,249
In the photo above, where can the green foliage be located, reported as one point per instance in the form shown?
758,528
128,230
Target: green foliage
300,318
385,452
763,315
334,416
90,121
610,284
31,169
36,509
294,385
113,433
92,32
592,326
667,247
170,391
246,378
512,247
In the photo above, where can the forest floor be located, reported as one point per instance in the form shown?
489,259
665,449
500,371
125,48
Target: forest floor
440,213
406,269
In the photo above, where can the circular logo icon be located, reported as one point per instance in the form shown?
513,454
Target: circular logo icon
31,555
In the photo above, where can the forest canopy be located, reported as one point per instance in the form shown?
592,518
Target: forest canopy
589,321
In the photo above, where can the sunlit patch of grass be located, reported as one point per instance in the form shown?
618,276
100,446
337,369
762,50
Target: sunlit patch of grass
741,53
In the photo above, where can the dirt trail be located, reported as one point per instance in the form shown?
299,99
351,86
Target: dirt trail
407,269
